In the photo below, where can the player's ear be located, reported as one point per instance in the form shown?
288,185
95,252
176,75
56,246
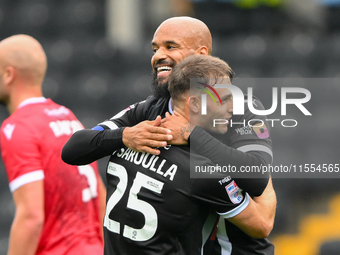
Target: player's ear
194,104
202,50
9,75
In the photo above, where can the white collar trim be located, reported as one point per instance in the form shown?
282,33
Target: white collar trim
170,107
32,100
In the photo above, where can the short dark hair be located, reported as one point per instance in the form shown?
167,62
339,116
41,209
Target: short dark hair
206,68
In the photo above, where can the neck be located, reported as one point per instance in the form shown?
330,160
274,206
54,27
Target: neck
20,94
183,111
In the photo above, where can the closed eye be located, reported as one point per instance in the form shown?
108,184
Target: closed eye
227,98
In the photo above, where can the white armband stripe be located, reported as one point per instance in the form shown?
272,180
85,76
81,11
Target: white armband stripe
255,147
111,125
26,178
236,210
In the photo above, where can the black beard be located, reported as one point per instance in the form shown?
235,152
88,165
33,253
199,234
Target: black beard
159,89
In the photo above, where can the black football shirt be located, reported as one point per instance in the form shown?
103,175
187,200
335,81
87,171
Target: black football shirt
155,208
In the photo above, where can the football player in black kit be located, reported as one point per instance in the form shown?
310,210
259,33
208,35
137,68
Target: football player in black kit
153,205
175,39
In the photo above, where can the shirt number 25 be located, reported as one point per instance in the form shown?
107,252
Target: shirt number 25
150,215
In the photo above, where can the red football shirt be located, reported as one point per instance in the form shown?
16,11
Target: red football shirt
32,139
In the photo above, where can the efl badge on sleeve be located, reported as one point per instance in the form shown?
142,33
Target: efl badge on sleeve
234,192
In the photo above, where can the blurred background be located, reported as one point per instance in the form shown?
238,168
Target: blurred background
99,55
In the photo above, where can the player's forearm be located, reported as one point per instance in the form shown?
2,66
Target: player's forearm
86,146
257,219
267,202
252,222
25,235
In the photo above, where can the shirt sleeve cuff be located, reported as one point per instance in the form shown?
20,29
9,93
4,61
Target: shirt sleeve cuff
26,178
238,209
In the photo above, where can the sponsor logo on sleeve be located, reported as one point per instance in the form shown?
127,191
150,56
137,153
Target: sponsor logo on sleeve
261,130
8,131
121,113
234,192
244,130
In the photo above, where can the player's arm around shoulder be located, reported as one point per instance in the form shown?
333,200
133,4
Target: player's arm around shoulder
224,196
29,218
257,219
142,133
146,136
88,145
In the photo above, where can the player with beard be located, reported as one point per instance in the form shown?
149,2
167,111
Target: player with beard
138,126
144,190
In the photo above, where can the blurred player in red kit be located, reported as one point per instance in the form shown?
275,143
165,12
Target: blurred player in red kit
59,207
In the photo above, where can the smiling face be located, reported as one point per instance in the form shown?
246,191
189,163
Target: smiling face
174,40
